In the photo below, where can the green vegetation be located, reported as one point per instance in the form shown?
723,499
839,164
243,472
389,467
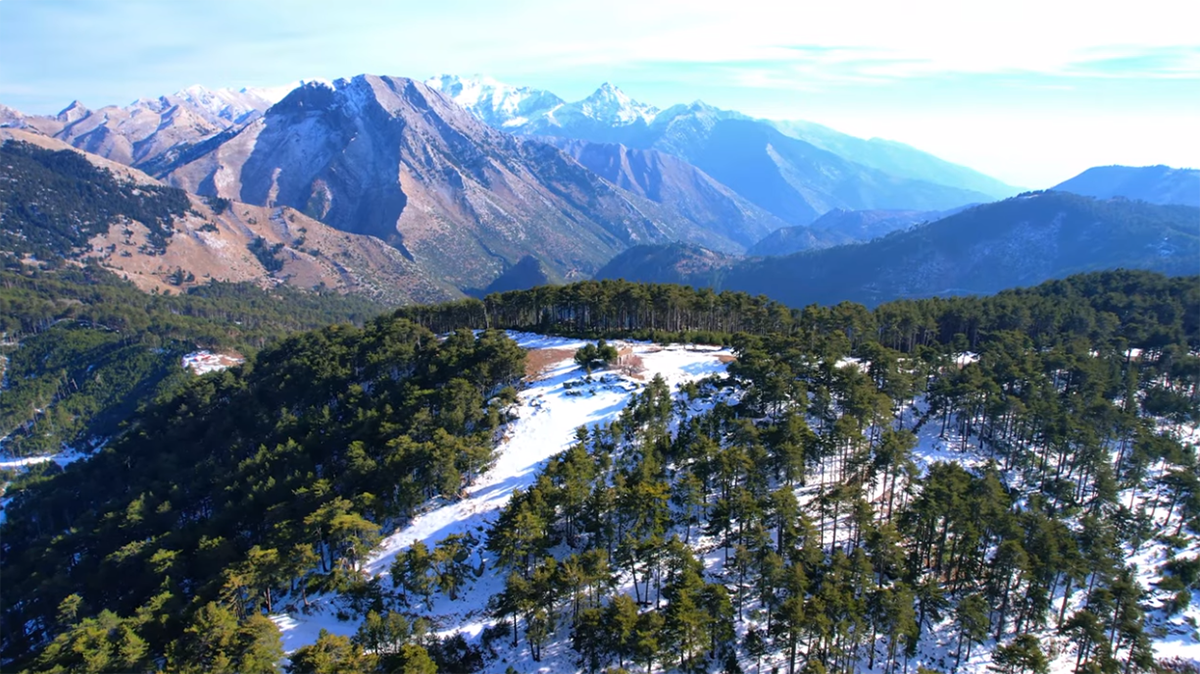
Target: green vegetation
592,356
267,255
53,203
252,488
828,543
836,547
86,349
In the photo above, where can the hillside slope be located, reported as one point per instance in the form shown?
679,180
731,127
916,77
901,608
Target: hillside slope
1154,184
839,227
668,180
191,242
895,158
949,484
984,249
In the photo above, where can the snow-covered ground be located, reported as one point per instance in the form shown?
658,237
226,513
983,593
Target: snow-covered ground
550,408
203,362
561,399
62,459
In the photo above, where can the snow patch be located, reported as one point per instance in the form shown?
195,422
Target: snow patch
203,361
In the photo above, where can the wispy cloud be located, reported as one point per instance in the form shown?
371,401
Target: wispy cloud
1171,62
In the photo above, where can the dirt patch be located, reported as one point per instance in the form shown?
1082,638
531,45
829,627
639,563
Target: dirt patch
629,364
726,358
537,361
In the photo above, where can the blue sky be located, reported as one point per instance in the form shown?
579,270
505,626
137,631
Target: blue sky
1029,92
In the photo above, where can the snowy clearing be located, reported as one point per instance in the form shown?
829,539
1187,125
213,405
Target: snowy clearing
203,362
550,408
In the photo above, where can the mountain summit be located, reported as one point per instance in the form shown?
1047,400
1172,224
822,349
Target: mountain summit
610,104
495,103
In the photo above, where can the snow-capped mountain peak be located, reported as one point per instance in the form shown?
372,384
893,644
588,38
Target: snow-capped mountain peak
494,102
610,104
277,93
227,104
536,111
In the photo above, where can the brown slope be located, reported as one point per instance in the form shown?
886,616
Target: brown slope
392,158
216,245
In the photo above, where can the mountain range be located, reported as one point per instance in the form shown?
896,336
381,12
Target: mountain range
467,178
982,250
416,191
840,227
795,171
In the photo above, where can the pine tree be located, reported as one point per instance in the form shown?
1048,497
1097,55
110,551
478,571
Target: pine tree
1021,656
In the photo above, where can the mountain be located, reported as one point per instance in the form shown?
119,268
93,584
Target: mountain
607,115
668,180
59,204
139,133
1018,241
794,179
895,158
528,272
495,103
839,227
1153,184
676,263
393,158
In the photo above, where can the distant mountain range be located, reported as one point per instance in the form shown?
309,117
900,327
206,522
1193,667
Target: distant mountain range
474,185
468,178
794,170
1018,241
840,227
1153,184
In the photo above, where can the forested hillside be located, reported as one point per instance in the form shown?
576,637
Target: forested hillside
246,488
928,483
53,203
85,349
